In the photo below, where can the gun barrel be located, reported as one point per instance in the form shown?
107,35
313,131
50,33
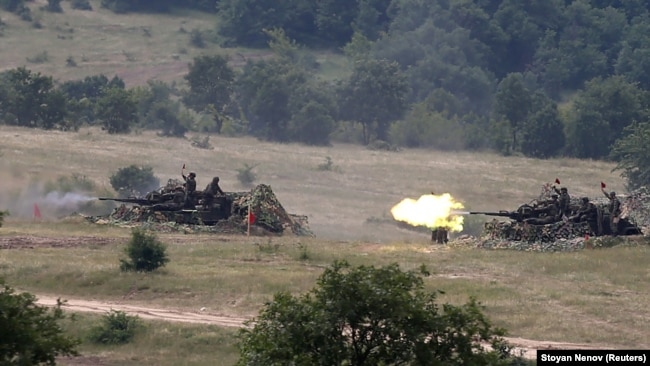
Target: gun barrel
137,201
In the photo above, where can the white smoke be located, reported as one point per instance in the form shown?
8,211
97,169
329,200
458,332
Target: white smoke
32,199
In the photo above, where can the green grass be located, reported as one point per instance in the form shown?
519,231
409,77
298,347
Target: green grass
156,343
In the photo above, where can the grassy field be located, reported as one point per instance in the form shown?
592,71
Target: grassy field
594,297
135,47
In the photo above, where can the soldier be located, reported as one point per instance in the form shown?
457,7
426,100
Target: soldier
440,235
190,189
564,201
211,191
176,203
548,213
588,212
614,211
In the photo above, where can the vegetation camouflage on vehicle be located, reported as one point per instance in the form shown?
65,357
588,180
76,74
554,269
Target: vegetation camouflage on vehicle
565,235
228,215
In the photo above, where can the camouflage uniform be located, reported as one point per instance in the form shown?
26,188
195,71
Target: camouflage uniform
564,201
211,191
614,211
440,235
190,189
588,212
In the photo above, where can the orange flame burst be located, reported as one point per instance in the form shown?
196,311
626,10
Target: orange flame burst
430,210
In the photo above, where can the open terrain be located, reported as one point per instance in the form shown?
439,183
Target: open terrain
593,298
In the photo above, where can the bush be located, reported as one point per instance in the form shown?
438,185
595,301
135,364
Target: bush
134,180
371,316
145,251
246,175
3,214
117,328
81,5
31,334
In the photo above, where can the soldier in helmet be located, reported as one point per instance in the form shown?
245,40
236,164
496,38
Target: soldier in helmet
190,189
614,211
211,191
564,201
588,212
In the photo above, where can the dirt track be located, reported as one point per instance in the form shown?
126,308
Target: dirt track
200,316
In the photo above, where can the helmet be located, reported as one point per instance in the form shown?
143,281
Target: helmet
563,189
215,179
585,199
192,175
612,193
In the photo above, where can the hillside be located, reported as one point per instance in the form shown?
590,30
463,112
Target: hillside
136,47
350,201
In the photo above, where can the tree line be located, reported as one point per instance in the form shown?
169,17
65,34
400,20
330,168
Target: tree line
540,78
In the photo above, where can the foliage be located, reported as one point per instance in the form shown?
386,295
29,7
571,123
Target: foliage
146,253
211,84
632,153
81,5
600,113
264,92
3,214
134,180
375,96
370,316
513,103
117,328
246,175
31,334
53,6
202,142
543,132
30,100
117,110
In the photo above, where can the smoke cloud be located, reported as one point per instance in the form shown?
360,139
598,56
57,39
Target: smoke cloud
51,205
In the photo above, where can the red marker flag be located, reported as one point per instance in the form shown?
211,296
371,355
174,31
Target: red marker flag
37,212
602,185
557,181
251,218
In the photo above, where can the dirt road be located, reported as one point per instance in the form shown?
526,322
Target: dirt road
201,316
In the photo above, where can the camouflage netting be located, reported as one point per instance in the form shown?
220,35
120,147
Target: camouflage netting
563,235
270,216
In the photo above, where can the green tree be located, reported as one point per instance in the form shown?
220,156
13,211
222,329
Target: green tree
374,96
632,152
134,180
30,334
370,316
264,91
3,214
513,103
211,84
30,100
313,112
118,110
600,113
543,131
633,59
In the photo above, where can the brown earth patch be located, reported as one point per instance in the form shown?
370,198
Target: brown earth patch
33,242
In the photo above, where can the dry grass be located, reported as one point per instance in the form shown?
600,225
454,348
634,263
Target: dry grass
351,204
135,47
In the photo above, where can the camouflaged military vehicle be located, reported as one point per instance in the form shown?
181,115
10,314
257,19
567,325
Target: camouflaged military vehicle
226,213
524,223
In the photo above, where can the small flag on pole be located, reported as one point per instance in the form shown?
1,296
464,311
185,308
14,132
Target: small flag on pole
37,212
251,218
557,181
603,185
183,166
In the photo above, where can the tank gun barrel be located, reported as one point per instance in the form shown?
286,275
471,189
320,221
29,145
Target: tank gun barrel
137,201
512,215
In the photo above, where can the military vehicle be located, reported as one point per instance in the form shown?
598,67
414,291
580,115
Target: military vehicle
228,213
525,224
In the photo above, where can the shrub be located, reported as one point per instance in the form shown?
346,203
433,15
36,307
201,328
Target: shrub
31,334
246,175
3,214
134,180
146,253
117,328
81,5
